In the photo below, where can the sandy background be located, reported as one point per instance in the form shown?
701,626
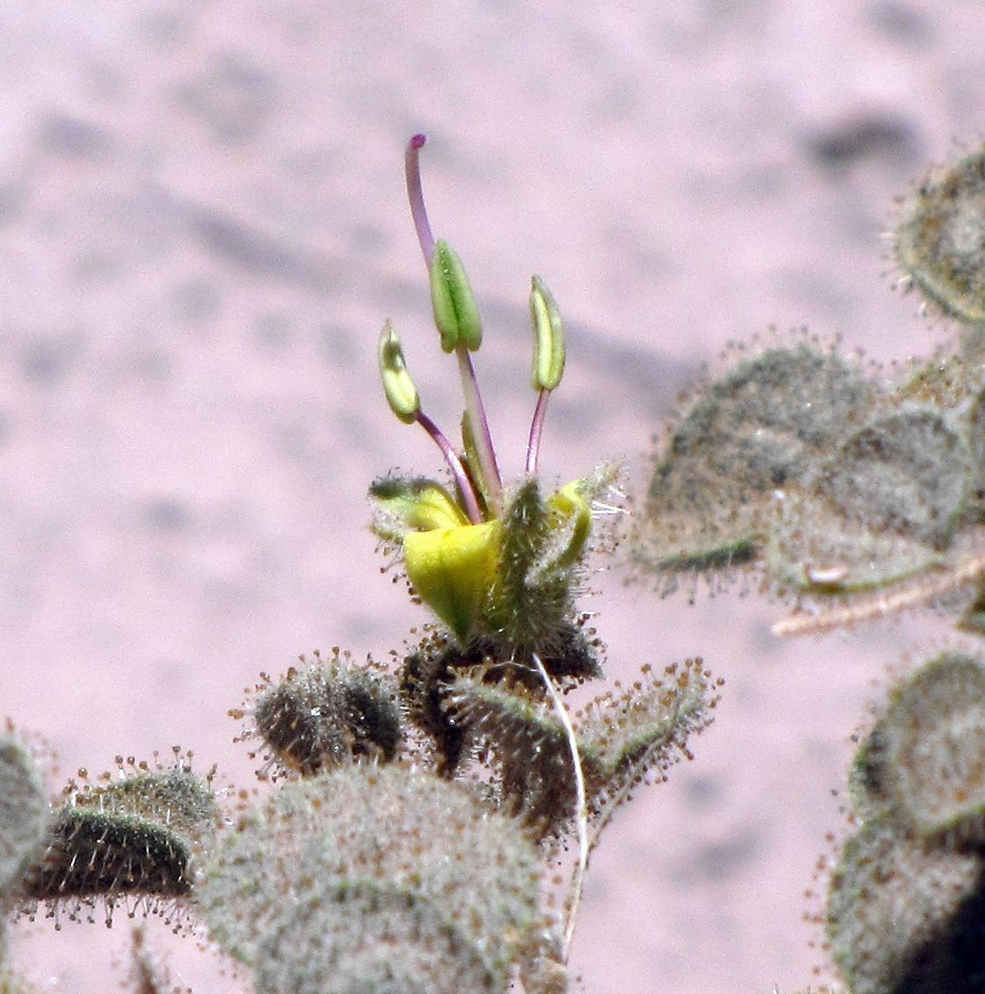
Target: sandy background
202,228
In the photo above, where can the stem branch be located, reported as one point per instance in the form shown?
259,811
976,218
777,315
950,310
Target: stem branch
578,877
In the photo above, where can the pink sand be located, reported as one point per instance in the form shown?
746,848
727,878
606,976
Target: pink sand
202,228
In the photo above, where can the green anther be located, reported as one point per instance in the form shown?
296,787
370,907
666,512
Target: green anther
548,364
455,311
401,393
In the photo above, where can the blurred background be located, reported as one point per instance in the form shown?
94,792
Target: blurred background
202,228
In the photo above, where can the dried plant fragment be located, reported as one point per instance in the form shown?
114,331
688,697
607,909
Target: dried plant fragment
976,444
148,974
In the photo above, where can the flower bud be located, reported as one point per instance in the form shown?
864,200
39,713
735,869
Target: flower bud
401,393
455,311
548,364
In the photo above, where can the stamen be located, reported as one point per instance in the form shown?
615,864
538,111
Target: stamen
462,480
548,360
536,430
475,411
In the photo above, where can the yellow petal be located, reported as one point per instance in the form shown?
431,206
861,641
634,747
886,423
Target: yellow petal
453,571
573,511
417,503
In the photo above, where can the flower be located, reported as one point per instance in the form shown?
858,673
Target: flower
488,560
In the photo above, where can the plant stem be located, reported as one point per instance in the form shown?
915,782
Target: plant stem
578,878
884,605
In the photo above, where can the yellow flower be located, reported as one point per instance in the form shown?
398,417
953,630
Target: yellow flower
458,569
482,562
454,570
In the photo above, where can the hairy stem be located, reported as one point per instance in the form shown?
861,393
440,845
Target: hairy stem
883,606
578,877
